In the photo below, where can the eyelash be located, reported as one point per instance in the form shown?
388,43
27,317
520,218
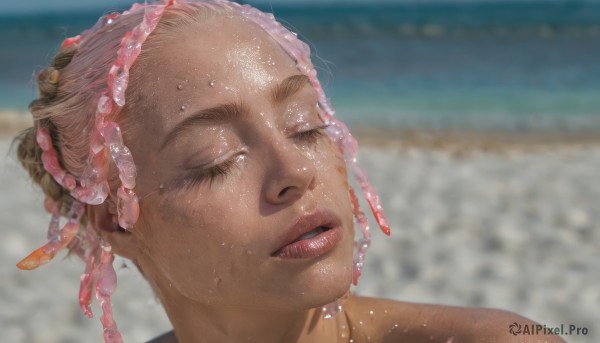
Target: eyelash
211,174
221,170
312,135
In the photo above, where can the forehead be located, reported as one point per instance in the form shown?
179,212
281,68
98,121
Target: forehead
223,56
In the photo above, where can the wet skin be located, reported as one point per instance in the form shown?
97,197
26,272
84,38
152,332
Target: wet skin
218,195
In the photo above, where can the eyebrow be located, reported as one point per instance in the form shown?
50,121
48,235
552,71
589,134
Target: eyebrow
227,112
288,87
209,116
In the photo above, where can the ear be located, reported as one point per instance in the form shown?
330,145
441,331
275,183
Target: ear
124,243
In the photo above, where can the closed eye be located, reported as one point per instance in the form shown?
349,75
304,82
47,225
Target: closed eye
311,136
211,174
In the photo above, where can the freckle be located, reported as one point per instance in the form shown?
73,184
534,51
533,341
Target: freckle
180,86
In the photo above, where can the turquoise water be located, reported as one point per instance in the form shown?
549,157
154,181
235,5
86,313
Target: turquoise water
506,65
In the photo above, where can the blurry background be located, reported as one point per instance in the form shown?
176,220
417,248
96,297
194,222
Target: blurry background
516,65
480,120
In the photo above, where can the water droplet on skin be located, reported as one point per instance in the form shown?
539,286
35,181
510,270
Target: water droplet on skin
212,83
222,244
371,312
360,322
248,252
161,186
179,86
217,281
182,108
424,325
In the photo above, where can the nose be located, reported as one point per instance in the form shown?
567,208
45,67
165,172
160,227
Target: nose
290,173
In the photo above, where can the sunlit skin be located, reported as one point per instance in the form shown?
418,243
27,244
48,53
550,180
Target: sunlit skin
217,195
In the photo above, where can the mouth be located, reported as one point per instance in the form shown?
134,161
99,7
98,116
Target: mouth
312,235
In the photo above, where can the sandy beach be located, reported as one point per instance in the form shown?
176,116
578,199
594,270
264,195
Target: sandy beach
476,220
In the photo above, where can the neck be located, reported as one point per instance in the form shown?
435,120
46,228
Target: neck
195,322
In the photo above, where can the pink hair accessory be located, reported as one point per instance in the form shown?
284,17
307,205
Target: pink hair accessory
57,239
105,286
70,42
50,160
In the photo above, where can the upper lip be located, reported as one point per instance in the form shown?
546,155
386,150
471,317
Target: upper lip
308,222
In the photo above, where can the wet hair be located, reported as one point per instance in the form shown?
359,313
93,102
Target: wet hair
75,149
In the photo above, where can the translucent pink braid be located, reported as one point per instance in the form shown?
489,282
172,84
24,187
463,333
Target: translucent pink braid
57,239
90,275
105,287
106,136
54,226
50,160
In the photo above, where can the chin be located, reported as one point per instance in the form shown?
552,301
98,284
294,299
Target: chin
327,281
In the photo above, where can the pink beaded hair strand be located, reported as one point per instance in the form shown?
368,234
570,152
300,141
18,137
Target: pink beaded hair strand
107,145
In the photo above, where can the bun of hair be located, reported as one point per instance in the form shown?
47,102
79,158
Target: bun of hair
29,152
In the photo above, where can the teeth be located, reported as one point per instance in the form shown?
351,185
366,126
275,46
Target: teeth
312,233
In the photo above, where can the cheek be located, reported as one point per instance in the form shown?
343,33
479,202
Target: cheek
333,172
200,247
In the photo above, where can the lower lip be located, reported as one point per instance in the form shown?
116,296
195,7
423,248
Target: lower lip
312,247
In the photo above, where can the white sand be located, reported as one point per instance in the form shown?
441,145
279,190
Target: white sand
518,232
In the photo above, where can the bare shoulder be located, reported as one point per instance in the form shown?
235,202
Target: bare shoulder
390,321
168,337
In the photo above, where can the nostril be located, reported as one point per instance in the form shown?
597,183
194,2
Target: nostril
284,191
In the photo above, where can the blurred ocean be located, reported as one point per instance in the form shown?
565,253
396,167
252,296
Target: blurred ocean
509,65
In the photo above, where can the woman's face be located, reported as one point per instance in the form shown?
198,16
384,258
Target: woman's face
232,168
